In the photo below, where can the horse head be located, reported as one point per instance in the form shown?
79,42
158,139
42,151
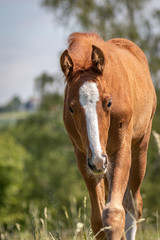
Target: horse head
88,105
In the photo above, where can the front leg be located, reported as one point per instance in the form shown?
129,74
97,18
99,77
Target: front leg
118,174
96,189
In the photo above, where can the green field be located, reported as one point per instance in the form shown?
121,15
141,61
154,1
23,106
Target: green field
78,227
10,118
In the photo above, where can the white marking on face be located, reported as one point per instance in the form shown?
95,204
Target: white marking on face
89,96
130,227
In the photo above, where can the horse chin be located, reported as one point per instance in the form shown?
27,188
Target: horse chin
98,173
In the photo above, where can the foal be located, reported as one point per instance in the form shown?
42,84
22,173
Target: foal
109,105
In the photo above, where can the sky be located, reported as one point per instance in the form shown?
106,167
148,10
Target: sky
31,42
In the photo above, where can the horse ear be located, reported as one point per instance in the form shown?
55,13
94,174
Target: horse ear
66,63
97,59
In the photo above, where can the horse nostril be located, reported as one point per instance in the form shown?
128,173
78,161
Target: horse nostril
89,164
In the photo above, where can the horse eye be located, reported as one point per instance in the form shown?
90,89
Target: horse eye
109,103
70,109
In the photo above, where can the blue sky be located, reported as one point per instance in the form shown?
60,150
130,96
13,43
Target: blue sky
30,42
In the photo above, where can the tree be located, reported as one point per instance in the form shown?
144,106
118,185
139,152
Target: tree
49,91
42,82
112,18
13,105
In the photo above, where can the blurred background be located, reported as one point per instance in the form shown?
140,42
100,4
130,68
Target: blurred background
37,164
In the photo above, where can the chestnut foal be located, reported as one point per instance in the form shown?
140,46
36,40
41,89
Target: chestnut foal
109,105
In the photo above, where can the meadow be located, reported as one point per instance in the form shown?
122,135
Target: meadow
77,226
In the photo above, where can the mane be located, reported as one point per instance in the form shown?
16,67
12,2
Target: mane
80,48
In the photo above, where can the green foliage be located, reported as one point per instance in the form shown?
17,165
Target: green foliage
150,185
51,102
12,158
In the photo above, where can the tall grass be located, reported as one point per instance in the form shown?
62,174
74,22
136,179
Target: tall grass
77,226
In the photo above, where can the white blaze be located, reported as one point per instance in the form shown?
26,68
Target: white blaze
89,96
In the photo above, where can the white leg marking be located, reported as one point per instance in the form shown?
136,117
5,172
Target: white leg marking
89,96
130,227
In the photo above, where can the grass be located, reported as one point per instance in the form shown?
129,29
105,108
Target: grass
77,227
